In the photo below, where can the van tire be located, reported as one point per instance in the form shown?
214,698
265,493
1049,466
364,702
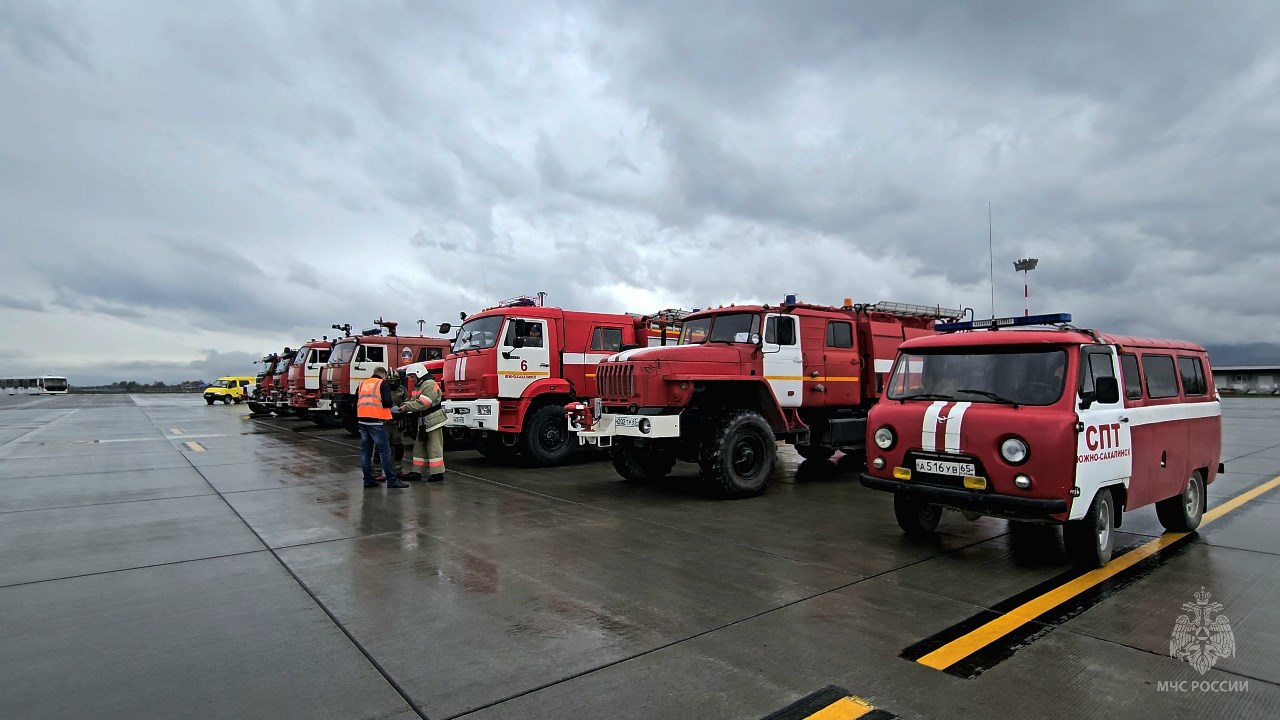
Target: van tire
737,458
1090,540
547,440
226,399
208,401
917,518
635,465
1182,512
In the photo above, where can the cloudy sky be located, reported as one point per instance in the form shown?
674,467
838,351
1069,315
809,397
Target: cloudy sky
185,186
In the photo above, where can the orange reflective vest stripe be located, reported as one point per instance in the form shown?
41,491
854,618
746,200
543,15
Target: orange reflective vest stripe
369,400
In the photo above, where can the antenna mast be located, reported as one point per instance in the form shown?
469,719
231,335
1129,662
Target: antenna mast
991,262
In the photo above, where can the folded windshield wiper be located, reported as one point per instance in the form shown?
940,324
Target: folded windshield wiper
988,394
925,396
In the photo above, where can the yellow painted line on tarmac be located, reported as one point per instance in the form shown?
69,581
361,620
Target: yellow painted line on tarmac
194,445
176,431
964,646
846,708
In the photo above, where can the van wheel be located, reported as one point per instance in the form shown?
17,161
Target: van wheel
546,436
815,452
918,519
226,400
738,458
208,401
639,465
1182,512
1090,540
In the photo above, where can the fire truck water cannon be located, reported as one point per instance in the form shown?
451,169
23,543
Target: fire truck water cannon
345,328
579,416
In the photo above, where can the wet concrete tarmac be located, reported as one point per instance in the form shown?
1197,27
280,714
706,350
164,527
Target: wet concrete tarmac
164,558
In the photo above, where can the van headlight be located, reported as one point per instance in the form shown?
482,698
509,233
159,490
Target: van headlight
1014,450
884,437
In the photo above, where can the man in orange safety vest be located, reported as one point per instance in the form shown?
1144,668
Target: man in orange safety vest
375,404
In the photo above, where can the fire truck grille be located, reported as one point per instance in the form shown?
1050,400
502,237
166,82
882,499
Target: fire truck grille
616,381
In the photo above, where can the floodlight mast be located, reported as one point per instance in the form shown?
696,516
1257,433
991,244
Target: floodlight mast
1024,266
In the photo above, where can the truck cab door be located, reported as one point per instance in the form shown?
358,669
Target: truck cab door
1104,445
524,355
841,370
367,357
311,374
783,359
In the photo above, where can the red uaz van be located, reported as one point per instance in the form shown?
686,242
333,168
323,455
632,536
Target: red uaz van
1048,424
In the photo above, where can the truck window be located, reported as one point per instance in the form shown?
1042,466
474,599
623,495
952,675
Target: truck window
781,331
1162,380
1095,364
373,353
1192,373
342,353
607,339
839,334
1132,380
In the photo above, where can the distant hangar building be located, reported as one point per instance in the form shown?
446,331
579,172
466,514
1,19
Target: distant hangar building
1247,379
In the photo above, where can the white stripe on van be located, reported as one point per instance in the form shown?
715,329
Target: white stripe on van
954,418
929,429
1164,413
883,366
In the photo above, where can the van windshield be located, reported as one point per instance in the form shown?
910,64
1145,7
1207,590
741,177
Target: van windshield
223,384
478,334
1007,375
342,353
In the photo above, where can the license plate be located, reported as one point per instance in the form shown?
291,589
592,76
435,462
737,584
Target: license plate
945,467
627,421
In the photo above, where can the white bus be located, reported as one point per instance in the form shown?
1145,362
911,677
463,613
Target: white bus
46,385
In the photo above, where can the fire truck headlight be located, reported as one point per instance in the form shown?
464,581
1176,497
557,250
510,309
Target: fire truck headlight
1023,482
645,425
884,437
1014,450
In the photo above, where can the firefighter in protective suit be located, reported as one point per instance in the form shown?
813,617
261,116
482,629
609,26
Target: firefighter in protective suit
428,451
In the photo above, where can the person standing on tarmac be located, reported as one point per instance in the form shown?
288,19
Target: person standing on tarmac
428,451
374,405
394,436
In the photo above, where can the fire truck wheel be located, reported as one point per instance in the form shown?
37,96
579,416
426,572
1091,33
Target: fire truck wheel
636,465
815,452
546,437
302,413
918,519
1182,512
351,425
492,447
1090,539
738,458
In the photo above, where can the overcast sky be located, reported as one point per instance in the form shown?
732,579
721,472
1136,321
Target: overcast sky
185,186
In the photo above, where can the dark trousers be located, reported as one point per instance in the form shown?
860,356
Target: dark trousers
371,437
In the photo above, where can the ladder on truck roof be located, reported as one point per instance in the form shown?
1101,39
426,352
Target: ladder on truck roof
668,315
898,309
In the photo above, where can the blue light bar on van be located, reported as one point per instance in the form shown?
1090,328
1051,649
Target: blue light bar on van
997,323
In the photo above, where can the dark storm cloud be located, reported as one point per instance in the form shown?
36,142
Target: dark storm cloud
267,170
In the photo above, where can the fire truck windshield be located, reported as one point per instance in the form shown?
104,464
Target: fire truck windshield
728,327
342,353
1005,375
478,334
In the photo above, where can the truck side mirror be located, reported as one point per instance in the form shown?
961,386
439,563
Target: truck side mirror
517,342
1106,390
444,328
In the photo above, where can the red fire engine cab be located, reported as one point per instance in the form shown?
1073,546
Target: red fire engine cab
353,358
743,377
262,399
514,366
304,379
1051,425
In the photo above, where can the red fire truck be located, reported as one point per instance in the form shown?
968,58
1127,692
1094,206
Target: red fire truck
353,358
277,395
514,366
1051,425
304,379
743,377
262,400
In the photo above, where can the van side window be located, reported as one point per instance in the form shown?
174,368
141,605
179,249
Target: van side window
1162,380
607,339
839,334
1095,364
781,331
1192,373
1132,380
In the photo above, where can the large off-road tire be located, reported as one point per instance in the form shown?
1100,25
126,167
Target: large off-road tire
256,408
637,464
738,456
547,440
815,452
208,401
1090,540
302,413
917,518
1182,512
351,425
